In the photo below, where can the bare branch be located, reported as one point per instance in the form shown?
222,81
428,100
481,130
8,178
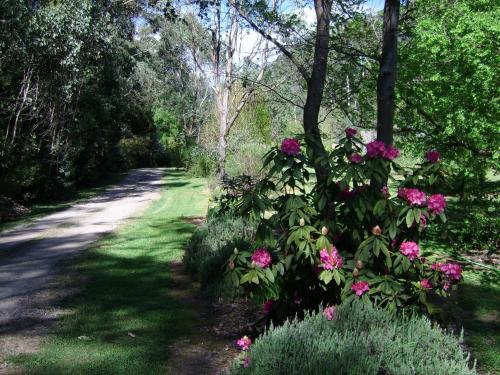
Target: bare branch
303,72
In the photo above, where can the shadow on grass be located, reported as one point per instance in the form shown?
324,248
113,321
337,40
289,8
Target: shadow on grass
124,320
478,312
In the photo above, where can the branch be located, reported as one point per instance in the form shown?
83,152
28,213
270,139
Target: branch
303,72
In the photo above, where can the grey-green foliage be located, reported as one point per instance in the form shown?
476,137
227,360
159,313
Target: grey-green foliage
211,245
360,340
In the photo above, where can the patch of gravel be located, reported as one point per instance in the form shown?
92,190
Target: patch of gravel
24,332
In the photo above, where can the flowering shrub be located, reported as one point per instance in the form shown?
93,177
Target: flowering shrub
343,240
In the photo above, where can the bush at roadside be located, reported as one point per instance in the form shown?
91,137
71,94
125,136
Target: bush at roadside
210,246
354,339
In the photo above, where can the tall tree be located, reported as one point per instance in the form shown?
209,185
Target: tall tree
226,67
386,82
313,72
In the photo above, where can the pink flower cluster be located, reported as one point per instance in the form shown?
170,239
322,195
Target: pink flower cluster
267,306
355,158
261,258
426,284
432,156
331,259
452,271
329,312
290,147
409,249
347,193
246,362
413,196
244,343
360,287
350,132
376,149
436,203
391,153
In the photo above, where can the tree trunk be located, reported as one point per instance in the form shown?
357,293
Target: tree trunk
387,76
315,88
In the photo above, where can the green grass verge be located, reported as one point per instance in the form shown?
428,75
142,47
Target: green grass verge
476,307
127,290
46,208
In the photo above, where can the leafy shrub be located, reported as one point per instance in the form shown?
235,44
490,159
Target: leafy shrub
246,159
201,163
171,136
360,339
478,231
211,245
344,239
135,151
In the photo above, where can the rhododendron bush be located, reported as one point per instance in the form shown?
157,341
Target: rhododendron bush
348,239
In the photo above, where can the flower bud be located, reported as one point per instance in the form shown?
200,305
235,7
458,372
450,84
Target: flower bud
376,230
302,222
235,251
324,231
355,272
359,264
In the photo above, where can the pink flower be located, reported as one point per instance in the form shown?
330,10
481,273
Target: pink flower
402,193
385,191
347,194
414,197
436,203
329,312
375,149
296,298
446,285
423,221
244,343
452,271
246,362
331,260
432,156
360,287
355,158
261,258
409,249
350,132
290,147
436,266
426,284
390,153
267,306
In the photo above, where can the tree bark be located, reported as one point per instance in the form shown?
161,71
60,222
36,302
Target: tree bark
315,89
387,76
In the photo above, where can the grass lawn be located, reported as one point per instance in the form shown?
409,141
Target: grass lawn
476,306
124,320
47,208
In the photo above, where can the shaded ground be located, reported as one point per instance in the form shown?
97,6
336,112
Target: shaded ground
29,255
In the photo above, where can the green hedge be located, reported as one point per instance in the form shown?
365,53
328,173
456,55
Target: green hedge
360,340
211,245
